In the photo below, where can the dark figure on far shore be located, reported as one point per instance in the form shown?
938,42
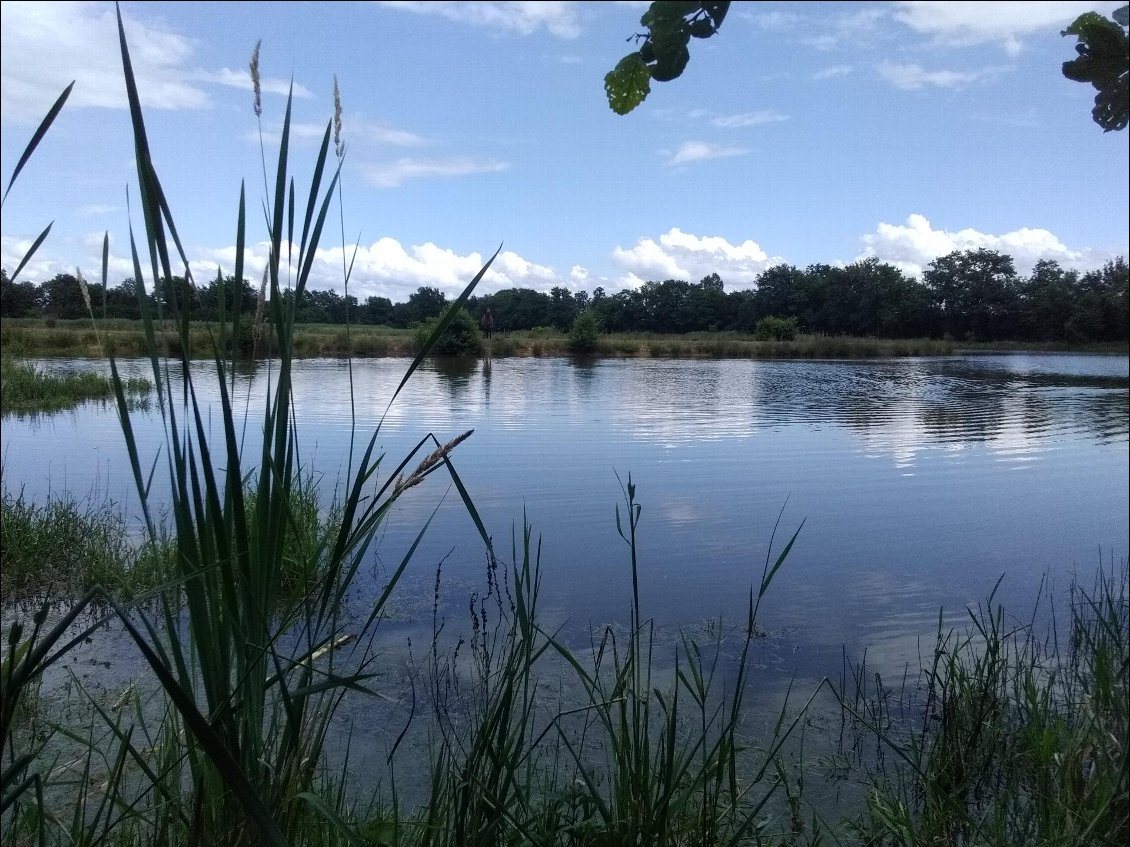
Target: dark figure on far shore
486,322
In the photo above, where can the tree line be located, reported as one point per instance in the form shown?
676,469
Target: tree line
971,295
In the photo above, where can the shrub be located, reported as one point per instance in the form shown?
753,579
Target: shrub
772,328
461,338
584,333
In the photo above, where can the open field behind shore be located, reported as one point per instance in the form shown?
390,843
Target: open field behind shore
125,338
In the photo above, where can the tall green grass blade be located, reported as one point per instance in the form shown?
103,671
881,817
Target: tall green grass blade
229,769
31,251
440,328
37,136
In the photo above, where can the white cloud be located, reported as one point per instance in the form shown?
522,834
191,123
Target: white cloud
698,151
47,45
682,255
362,129
913,245
854,28
386,268
775,21
242,79
523,18
98,209
833,72
965,24
759,118
396,173
356,131
913,77
44,46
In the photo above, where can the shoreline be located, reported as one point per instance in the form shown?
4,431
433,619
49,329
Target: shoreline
27,338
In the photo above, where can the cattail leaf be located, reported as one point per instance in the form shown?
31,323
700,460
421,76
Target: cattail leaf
37,136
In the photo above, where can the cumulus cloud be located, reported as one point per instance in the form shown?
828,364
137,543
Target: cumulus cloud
357,131
394,174
387,268
47,45
698,151
682,255
98,209
44,265
966,24
242,79
833,72
913,245
913,77
524,18
860,26
758,118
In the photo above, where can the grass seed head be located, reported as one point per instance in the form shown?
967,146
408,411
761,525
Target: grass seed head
255,81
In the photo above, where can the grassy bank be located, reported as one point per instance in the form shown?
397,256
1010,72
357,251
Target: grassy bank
27,389
62,548
27,337
1012,734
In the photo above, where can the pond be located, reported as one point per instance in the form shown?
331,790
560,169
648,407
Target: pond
920,482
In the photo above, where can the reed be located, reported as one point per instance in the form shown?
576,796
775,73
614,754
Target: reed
1015,734
63,548
252,675
29,389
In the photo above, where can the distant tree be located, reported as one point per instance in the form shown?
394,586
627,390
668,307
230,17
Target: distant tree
1046,299
781,291
461,338
976,291
516,308
584,332
18,299
743,309
711,282
1104,62
61,297
122,301
562,308
425,302
623,311
228,290
712,306
870,297
1099,311
377,310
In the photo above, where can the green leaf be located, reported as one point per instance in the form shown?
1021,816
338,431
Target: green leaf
671,63
41,131
628,84
1122,16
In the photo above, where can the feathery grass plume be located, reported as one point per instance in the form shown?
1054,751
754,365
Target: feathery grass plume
255,81
85,289
260,315
430,462
339,145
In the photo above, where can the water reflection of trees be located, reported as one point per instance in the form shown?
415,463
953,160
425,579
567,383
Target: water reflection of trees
917,403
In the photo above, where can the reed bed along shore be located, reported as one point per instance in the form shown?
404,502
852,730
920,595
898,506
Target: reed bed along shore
124,338
28,389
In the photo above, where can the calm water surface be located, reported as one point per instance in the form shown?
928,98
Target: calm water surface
920,481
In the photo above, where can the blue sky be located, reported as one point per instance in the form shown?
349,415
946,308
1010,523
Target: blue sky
801,133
